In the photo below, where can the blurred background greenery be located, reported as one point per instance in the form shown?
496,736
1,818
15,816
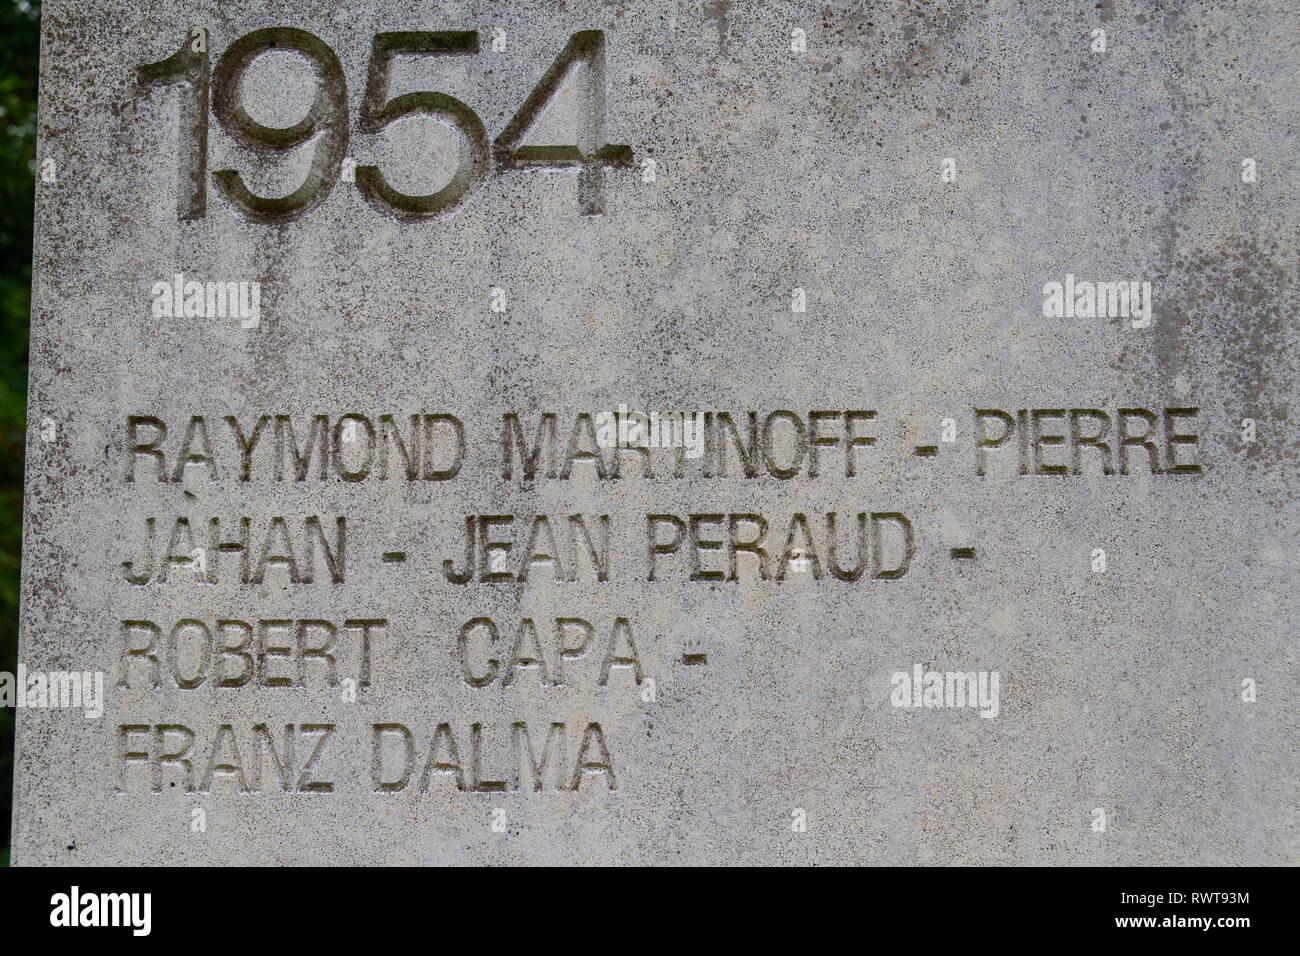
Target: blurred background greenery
19,40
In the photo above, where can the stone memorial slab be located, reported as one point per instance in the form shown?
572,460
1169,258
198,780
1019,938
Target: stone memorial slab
662,432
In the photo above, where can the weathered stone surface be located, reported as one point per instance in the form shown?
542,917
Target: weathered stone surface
770,733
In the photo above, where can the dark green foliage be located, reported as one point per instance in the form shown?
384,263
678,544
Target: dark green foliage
19,41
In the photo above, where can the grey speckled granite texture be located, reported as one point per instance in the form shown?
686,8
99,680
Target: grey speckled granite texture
1125,692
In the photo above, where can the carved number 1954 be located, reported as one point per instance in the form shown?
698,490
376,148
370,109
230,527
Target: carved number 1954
327,122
